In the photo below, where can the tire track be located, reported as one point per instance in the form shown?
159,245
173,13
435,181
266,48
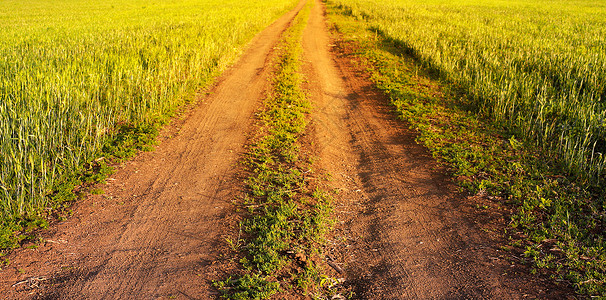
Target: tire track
407,233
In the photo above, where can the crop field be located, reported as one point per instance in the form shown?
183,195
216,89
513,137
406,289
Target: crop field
537,67
72,72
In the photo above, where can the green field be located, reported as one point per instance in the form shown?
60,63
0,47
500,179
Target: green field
73,72
538,67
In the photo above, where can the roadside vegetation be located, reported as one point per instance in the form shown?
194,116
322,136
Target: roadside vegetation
84,81
510,96
286,213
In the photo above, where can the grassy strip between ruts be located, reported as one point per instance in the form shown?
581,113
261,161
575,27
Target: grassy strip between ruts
286,214
557,222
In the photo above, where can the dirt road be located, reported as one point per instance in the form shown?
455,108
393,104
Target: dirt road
404,233
156,228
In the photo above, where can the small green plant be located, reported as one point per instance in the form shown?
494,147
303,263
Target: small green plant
97,191
4,263
247,287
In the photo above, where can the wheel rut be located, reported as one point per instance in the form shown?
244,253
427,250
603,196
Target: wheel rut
405,231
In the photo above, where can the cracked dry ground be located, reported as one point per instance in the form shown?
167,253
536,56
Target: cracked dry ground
404,231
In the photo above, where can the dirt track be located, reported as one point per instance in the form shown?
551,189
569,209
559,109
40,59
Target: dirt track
408,233
157,227
405,233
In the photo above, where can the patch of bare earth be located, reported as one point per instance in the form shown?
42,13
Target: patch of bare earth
404,231
157,231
